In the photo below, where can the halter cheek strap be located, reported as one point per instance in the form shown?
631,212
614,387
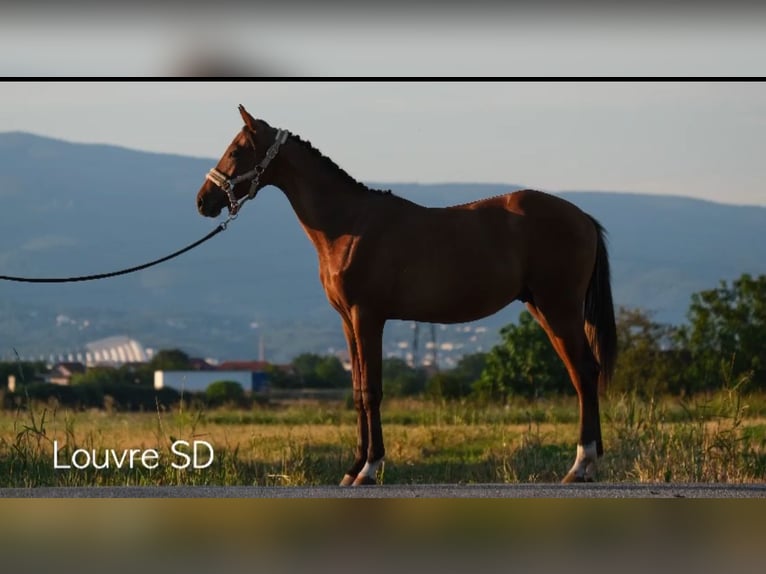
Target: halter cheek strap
227,184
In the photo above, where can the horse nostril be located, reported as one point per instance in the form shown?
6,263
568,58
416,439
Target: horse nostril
200,203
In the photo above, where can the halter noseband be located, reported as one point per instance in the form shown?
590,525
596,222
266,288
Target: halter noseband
227,184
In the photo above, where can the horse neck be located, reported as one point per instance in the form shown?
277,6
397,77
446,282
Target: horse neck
326,202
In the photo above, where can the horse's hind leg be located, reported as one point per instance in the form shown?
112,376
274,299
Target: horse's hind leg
362,441
563,324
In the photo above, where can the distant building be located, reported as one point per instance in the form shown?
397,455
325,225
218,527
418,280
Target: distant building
197,381
255,366
197,364
252,375
62,373
115,351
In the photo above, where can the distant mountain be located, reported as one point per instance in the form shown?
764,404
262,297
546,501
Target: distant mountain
72,209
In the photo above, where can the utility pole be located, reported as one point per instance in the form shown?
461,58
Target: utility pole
415,337
433,342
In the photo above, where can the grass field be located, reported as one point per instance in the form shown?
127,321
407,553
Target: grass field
719,438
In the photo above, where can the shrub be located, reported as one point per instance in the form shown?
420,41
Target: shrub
225,392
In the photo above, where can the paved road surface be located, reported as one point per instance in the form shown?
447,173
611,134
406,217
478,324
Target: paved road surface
595,490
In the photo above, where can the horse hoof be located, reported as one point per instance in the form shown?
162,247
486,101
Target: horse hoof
348,480
363,481
571,477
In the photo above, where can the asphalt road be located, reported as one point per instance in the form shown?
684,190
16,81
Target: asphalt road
438,491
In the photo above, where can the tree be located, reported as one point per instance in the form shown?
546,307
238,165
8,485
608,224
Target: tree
458,382
649,360
100,376
331,374
727,330
524,363
170,360
401,380
282,378
471,366
321,372
305,366
224,392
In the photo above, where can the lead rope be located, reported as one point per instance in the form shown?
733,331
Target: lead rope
216,231
218,179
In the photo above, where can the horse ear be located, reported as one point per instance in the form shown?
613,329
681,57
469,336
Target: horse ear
247,118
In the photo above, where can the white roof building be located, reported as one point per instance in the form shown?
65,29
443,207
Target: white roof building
115,351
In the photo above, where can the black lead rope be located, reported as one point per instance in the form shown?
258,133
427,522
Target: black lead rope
213,233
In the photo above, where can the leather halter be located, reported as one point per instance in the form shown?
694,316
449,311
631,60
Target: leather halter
227,183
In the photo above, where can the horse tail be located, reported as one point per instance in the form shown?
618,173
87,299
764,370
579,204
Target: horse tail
600,328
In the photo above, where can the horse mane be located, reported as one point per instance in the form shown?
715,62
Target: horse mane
329,162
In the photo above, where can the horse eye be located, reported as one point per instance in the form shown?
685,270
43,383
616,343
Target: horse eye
234,154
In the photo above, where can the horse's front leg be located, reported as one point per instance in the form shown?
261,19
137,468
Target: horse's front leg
369,338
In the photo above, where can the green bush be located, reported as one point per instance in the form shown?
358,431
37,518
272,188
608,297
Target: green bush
320,372
524,364
401,380
224,393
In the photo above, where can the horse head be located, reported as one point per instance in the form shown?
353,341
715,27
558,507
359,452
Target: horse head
242,169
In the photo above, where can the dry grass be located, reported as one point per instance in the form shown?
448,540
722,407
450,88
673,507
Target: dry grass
312,443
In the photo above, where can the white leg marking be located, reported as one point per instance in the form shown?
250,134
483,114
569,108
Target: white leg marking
371,468
585,463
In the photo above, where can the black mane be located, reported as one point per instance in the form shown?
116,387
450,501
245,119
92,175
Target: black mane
314,151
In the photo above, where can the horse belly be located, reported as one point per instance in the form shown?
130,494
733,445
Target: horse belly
454,295
444,266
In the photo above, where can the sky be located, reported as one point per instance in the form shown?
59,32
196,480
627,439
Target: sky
697,139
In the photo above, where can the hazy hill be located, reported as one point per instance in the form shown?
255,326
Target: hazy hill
71,209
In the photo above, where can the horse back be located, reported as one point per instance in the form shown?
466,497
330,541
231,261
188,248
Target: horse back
552,240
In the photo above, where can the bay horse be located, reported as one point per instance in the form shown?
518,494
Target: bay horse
383,257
